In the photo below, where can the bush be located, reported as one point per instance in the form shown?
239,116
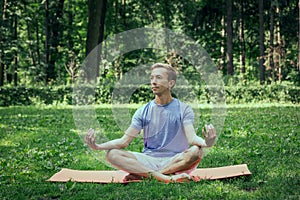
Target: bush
265,93
129,94
33,95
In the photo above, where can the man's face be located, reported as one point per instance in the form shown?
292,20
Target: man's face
159,81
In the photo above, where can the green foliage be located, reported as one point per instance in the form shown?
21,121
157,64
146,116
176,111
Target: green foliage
104,94
37,142
34,95
23,35
264,93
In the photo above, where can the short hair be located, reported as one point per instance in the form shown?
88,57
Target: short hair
171,71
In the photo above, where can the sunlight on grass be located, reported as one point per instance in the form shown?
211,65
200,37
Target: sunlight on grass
36,142
7,143
202,105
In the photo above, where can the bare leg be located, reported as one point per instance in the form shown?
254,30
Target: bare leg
184,161
126,161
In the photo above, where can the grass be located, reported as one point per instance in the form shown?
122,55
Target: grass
36,142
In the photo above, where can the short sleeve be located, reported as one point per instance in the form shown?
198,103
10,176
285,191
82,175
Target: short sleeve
137,119
188,115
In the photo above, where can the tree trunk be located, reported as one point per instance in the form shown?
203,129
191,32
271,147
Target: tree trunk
278,49
71,67
37,35
29,36
101,33
229,54
242,40
261,41
47,41
15,36
271,69
2,66
298,36
167,22
1,72
123,13
70,28
222,64
96,19
116,29
55,37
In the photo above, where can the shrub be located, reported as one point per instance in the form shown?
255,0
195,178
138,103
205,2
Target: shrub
130,94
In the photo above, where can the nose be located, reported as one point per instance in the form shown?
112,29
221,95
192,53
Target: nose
153,81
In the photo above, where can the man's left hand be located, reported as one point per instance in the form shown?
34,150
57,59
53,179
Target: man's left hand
209,135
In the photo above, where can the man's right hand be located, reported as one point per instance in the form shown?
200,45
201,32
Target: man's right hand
90,139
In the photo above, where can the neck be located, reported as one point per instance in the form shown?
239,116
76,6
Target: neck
163,100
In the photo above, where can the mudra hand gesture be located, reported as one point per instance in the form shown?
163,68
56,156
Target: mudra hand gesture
90,139
209,135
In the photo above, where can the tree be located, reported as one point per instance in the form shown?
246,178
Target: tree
278,50
229,54
242,37
45,41
53,14
30,39
95,32
261,41
2,40
298,36
271,68
16,44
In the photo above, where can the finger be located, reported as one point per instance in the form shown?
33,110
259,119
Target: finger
88,135
86,138
207,129
213,130
91,134
91,131
203,133
93,139
212,127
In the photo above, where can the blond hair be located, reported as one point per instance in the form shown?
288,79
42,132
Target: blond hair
171,71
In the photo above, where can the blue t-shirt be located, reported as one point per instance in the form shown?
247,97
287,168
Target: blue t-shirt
163,127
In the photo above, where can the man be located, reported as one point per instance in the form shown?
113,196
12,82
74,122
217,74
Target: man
171,147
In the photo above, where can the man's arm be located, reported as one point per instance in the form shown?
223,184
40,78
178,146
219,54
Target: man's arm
119,143
192,138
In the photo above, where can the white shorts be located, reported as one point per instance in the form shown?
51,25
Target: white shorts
159,163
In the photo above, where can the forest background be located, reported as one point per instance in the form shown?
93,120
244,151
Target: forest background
254,45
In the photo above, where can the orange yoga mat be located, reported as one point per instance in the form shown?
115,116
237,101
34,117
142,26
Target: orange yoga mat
94,176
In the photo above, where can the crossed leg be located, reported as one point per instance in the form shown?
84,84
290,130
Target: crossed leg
185,161
126,161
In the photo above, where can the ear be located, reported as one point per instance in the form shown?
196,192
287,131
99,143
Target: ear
171,84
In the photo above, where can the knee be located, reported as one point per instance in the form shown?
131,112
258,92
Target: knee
195,153
112,155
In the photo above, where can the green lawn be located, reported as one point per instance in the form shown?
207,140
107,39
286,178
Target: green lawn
36,142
